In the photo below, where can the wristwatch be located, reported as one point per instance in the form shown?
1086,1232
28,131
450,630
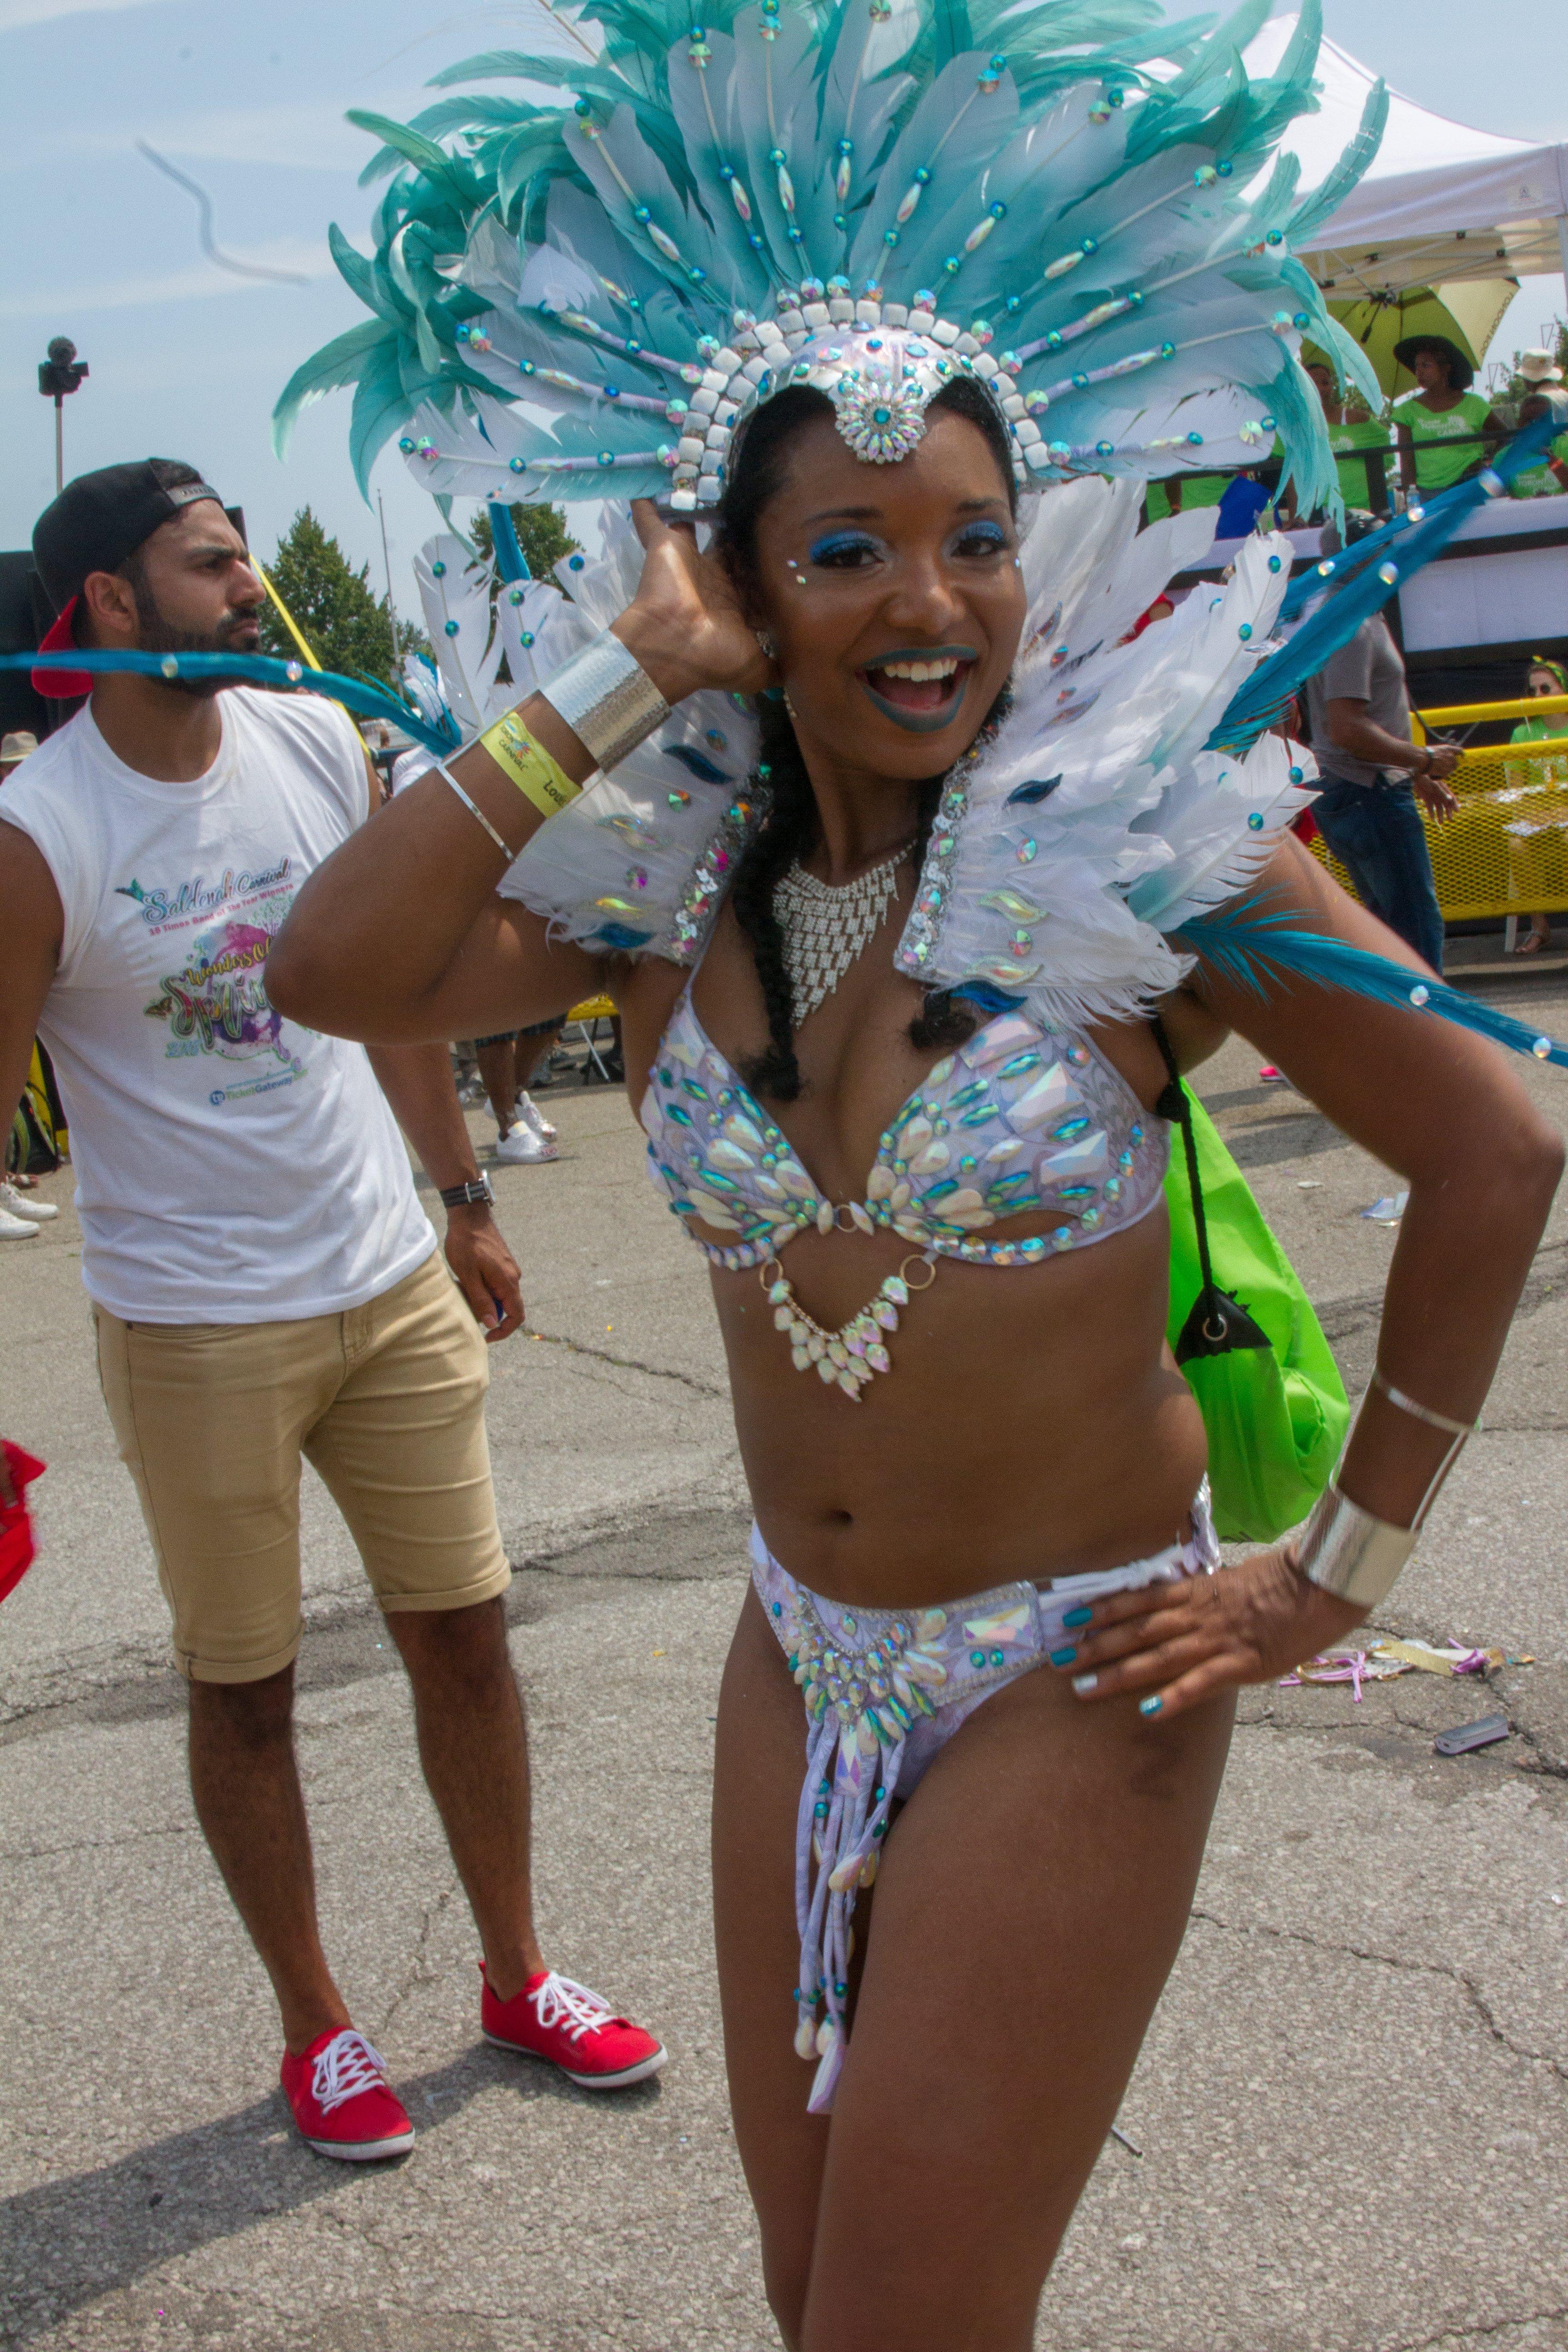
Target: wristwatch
469,1195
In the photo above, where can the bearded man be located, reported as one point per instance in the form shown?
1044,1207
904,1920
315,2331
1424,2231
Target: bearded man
265,1285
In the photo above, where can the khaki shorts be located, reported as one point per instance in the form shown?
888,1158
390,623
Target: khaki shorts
386,1402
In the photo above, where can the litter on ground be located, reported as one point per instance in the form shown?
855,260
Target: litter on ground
1386,1658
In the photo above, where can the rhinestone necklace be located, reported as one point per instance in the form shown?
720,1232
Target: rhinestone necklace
827,926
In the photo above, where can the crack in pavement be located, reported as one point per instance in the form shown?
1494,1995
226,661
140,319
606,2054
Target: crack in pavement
629,1363
1545,1766
1359,1313
1491,2327
92,1845
417,1972
1467,1985
1540,1763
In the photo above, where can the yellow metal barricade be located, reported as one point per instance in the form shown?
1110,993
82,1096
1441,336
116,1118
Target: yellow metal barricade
587,1016
1504,852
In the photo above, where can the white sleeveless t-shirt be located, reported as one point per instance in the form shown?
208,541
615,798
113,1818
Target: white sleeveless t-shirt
232,1167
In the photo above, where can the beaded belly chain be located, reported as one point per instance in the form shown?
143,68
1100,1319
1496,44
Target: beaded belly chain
1020,1120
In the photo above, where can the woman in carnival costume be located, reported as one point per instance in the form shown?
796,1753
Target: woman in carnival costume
843,777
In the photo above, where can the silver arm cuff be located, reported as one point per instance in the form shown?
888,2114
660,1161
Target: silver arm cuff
606,699
1345,1551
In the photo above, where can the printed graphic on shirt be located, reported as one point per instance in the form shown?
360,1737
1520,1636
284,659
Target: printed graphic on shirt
212,940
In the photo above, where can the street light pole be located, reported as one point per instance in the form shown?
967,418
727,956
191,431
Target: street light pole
386,559
58,375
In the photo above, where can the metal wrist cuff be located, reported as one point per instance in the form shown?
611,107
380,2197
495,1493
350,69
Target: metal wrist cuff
606,699
1345,1551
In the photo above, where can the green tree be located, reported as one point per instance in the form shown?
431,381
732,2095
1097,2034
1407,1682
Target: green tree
346,625
542,534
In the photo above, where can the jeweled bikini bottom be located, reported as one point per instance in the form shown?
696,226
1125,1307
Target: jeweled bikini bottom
885,1690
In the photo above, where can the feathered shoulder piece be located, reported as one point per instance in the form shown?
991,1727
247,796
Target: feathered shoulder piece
639,862
1096,820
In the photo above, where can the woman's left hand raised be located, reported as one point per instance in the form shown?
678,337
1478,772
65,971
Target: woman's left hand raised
685,625
1172,1645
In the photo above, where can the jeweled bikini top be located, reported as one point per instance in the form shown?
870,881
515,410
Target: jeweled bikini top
1019,1119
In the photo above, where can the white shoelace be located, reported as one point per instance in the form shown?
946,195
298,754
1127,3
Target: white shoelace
348,2065
559,1999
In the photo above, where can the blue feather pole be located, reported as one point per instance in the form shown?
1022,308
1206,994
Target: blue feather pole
1363,580
1243,946
511,561
357,694
1447,507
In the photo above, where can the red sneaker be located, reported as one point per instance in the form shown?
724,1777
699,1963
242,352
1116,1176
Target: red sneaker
342,2102
553,2018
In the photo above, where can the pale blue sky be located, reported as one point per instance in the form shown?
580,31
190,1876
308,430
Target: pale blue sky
248,99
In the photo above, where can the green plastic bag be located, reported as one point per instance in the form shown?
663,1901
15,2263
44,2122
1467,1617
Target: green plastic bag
1253,1351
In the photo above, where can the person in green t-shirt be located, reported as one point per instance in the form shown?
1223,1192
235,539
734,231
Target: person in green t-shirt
1185,493
1545,677
1547,479
1350,429
1438,425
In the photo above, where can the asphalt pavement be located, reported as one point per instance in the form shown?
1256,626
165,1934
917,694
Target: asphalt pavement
1349,2128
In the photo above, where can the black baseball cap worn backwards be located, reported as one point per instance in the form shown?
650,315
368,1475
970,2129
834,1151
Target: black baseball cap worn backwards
96,522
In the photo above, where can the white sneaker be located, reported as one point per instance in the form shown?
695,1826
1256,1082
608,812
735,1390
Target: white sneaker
22,1204
16,1228
526,1108
521,1147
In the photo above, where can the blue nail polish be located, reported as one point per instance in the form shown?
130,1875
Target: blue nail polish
1078,1617
1065,1656
1083,1683
1149,1705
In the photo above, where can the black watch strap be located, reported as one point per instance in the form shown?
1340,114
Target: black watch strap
465,1196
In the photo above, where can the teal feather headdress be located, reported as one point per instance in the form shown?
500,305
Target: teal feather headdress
1074,203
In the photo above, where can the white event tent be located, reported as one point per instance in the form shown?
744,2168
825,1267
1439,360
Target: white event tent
1463,211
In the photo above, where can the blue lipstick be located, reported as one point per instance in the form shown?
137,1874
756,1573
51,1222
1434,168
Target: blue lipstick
922,723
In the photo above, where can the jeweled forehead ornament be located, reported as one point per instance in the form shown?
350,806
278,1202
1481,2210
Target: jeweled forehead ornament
880,364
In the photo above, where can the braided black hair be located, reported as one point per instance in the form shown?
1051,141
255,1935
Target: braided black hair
792,827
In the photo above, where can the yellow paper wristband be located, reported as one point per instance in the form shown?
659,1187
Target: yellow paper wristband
537,776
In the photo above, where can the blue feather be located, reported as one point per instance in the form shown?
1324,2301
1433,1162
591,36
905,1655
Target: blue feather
698,762
372,702
1331,192
1242,945
511,561
1448,508
1367,585
990,1000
